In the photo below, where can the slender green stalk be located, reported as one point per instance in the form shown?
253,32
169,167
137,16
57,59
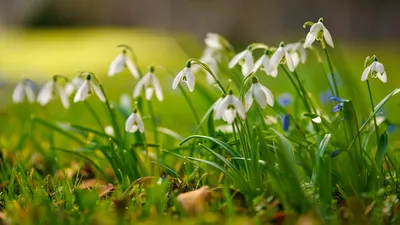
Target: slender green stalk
373,108
206,68
94,114
323,69
297,89
304,91
328,59
112,116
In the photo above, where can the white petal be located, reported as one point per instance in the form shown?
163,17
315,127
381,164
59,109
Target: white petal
139,86
30,92
258,63
269,95
69,88
276,58
235,60
178,78
18,95
217,105
139,123
248,98
239,107
99,93
129,123
379,67
248,64
229,115
63,97
190,79
316,27
289,61
266,64
82,92
46,93
328,37
220,110
259,95
212,41
317,119
310,38
365,74
132,68
158,89
125,101
303,53
117,65
149,92
274,73
295,58
382,77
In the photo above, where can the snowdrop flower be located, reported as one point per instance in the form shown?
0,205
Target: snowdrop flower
185,76
216,106
150,84
26,87
73,85
212,41
317,32
109,130
134,123
125,102
229,107
264,61
317,119
119,64
87,88
262,95
376,70
51,89
281,56
211,58
245,59
297,52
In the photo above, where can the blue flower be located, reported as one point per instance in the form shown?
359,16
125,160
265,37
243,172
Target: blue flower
325,96
391,128
286,122
285,99
338,106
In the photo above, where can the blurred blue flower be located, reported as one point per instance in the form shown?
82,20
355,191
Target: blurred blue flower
391,128
286,122
338,106
325,96
285,99
337,78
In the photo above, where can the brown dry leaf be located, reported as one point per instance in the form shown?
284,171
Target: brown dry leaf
91,183
106,190
3,215
309,219
194,202
145,181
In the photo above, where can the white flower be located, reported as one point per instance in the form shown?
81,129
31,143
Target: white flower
317,32
211,58
109,130
150,84
281,56
73,85
86,89
212,41
125,102
24,88
51,89
264,61
119,64
186,76
377,70
262,95
228,108
216,106
134,123
316,119
245,58
297,52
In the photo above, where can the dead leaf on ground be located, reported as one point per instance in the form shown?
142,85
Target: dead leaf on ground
195,202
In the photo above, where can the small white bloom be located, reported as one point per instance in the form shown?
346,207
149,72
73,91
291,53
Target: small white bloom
317,32
134,123
316,119
186,76
228,108
270,120
377,70
86,89
245,58
24,88
211,58
281,56
73,85
262,95
264,61
125,101
297,52
216,107
109,130
227,128
119,64
212,41
150,84
51,89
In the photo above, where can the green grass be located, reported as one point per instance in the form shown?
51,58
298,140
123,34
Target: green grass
260,174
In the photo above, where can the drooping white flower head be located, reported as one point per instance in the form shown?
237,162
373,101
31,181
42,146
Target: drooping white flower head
150,84
216,107
281,56
297,52
73,85
376,70
228,108
87,88
318,32
26,87
245,59
264,63
50,90
119,63
125,101
134,123
316,119
211,58
213,41
261,94
186,76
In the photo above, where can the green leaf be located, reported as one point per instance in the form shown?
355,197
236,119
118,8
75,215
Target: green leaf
222,144
382,148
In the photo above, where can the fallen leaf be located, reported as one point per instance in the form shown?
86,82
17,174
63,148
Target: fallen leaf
194,202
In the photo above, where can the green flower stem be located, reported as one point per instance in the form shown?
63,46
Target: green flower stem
297,88
94,114
112,116
206,68
317,55
328,59
373,108
305,95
